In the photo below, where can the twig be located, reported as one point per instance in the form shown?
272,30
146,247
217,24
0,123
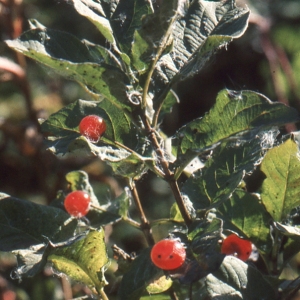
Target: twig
145,225
169,176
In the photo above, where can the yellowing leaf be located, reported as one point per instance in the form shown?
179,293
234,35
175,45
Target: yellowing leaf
281,188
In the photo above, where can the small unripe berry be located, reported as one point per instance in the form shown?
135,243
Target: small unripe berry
92,127
234,245
168,254
77,203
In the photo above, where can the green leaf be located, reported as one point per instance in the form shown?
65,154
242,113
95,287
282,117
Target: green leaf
136,280
281,189
246,213
159,284
24,224
154,33
63,125
55,49
127,17
130,167
79,180
204,27
234,113
85,9
85,260
224,171
111,212
237,280
205,246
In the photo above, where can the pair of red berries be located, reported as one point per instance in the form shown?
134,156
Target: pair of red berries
92,127
170,254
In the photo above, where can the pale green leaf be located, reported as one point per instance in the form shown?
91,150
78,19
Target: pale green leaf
281,188
85,260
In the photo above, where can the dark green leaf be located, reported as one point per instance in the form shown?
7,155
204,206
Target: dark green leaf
24,224
63,125
237,280
224,171
85,260
154,33
137,279
281,189
126,18
234,113
246,213
203,28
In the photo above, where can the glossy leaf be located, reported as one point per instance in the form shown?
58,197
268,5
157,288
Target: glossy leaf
224,171
234,114
80,65
237,280
245,212
281,189
84,261
141,273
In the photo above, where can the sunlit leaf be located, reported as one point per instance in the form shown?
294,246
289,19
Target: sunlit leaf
84,261
246,213
234,113
80,65
224,171
281,188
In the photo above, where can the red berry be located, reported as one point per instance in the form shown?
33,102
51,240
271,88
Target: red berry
233,245
77,203
168,254
92,127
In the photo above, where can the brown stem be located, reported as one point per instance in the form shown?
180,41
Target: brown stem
145,225
169,176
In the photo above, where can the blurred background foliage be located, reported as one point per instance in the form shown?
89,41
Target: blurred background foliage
265,59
